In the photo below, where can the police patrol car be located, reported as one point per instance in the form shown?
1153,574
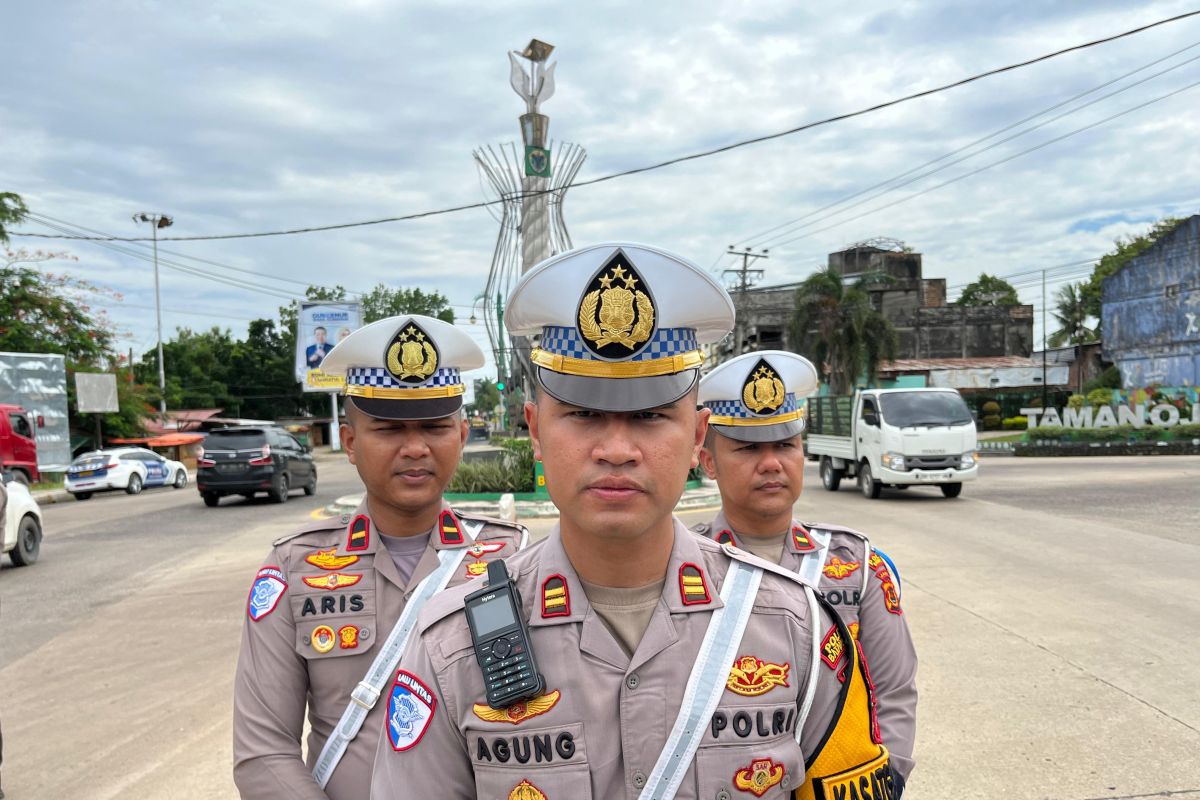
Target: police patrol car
128,468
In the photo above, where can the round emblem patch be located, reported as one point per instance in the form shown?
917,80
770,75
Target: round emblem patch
323,638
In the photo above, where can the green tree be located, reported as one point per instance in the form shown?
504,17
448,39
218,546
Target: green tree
12,211
383,302
47,312
1125,249
1070,312
989,290
487,397
836,325
197,367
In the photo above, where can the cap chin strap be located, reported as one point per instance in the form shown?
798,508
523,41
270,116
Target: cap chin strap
586,368
366,694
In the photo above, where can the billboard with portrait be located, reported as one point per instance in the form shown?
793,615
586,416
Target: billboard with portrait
320,326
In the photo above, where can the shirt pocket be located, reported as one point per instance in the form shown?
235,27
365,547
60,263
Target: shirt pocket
547,763
768,770
336,636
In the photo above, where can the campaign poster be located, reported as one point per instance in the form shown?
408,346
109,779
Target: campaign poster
319,327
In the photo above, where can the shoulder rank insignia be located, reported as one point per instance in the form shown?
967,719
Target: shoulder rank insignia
839,570
760,776
802,540
360,533
411,355
526,791
616,317
556,599
518,712
449,530
725,537
763,392
693,590
265,592
751,676
329,559
334,580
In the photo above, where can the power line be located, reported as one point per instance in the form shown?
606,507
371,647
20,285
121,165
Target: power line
896,182
985,167
669,162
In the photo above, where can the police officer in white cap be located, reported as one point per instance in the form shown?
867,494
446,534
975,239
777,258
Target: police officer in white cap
333,605
667,665
754,451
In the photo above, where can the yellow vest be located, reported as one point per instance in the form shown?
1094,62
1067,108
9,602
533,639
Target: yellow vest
850,764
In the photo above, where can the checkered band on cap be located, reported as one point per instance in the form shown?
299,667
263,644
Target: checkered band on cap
378,376
666,342
735,408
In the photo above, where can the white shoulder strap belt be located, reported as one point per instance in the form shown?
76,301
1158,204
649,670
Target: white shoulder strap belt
366,694
813,562
707,681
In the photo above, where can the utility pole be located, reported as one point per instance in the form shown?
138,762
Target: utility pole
158,221
1044,340
746,278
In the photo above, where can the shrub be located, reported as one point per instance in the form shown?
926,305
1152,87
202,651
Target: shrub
1189,430
511,473
991,422
1099,397
991,408
1075,401
1052,432
1015,423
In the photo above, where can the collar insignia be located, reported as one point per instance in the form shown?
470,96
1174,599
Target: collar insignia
803,542
693,589
750,676
518,712
763,392
725,537
838,569
411,356
334,580
328,559
616,314
360,533
449,529
759,777
556,599
526,791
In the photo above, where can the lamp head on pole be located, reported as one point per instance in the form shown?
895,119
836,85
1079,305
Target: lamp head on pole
158,220
537,50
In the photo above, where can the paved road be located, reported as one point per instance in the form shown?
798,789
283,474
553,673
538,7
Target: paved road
1053,605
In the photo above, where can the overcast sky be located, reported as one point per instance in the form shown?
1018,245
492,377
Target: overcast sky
250,116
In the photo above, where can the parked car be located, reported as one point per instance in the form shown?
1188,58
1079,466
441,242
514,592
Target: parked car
251,459
22,523
128,468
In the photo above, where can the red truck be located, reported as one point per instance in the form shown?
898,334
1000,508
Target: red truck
18,444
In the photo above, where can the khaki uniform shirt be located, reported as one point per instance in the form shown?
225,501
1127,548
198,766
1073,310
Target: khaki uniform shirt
598,729
865,591
308,645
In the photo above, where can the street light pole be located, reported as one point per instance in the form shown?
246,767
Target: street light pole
158,221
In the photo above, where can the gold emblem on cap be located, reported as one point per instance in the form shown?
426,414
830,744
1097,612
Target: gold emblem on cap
763,392
617,312
411,356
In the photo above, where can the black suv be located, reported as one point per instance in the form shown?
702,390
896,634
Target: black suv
253,459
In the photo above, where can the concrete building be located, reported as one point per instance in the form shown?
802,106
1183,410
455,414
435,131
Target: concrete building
1151,312
926,327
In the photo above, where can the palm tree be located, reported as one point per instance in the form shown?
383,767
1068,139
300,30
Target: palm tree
1070,312
841,331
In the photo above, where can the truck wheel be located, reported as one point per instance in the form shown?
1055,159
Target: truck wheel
951,489
135,484
29,542
831,478
866,482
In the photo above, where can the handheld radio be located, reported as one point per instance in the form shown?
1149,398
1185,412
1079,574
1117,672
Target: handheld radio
501,640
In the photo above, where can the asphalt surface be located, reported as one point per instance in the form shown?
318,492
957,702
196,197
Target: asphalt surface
1053,605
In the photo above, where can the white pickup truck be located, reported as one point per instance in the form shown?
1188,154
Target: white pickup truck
895,438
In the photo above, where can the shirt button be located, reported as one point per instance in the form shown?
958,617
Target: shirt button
723,795
632,681
639,780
